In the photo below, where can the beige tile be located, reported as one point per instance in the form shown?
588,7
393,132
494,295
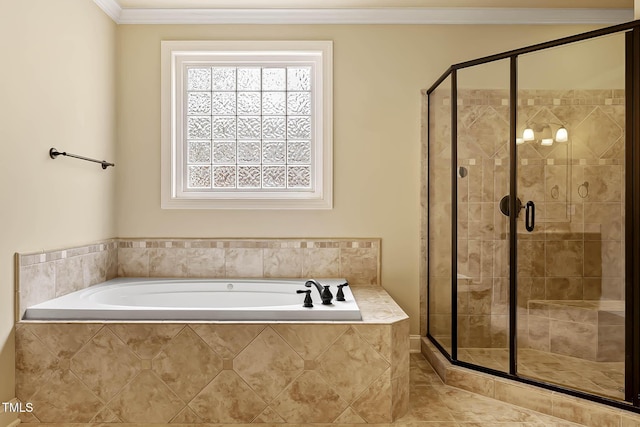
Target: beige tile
309,341
64,339
186,416
94,268
400,395
375,404
205,262
227,399
359,266
227,340
573,339
69,275
268,416
400,349
34,363
283,262
321,262
106,416
244,263
309,399
94,364
349,416
37,284
187,364
64,398
525,397
146,399
146,340
167,262
471,381
273,370
350,365
133,262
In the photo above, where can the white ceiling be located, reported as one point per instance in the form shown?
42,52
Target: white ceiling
604,12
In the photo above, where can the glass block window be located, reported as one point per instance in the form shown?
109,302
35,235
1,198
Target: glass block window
247,128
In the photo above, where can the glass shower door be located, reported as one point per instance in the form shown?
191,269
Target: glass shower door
482,148
570,231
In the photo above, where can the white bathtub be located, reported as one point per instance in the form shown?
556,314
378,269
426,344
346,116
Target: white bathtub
196,299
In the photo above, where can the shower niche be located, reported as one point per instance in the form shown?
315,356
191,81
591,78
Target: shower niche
528,202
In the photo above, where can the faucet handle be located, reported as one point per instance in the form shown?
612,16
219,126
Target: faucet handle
307,299
326,295
340,294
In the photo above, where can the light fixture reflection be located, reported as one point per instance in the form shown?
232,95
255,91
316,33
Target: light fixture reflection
528,135
562,135
543,133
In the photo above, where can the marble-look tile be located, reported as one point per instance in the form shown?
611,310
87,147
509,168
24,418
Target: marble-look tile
276,367
573,339
564,258
526,397
564,288
400,349
400,393
146,399
269,416
471,381
133,262
167,262
359,266
69,275
106,415
146,340
34,363
611,343
283,262
186,416
64,398
227,399
309,399
349,416
309,341
205,262
539,333
375,402
186,364
94,268
379,338
94,364
350,365
37,284
321,262
64,339
244,263
227,340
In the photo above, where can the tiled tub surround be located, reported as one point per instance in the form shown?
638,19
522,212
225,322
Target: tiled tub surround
45,275
211,372
219,372
577,248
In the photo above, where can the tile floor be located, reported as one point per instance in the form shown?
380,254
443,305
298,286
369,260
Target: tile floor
602,378
433,404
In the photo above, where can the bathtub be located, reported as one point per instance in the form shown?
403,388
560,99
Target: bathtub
196,299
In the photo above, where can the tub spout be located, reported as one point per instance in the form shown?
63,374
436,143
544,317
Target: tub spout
325,293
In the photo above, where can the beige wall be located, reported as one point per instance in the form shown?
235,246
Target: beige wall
58,90
378,74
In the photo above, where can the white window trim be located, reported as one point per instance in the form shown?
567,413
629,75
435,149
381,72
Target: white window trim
173,53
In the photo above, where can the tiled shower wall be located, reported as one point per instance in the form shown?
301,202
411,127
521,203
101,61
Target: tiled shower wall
45,275
576,250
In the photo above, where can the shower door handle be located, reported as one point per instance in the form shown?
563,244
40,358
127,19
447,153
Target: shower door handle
530,216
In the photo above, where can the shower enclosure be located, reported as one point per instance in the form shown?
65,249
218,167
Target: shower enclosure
533,201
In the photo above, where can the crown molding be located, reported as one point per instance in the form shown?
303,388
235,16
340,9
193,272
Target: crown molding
111,7
436,16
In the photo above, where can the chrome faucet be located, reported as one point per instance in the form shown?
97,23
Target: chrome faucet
323,290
